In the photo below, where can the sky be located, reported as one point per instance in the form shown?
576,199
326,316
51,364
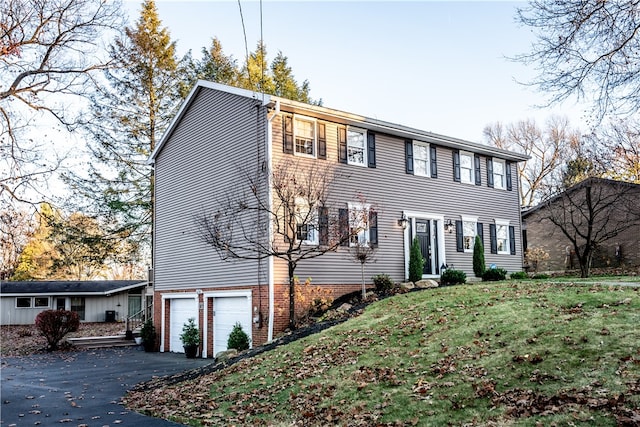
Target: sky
439,66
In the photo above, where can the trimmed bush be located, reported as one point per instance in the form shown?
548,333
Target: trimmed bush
541,276
519,275
55,324
383,283
452,277
478,257
494,275
416,262
238,339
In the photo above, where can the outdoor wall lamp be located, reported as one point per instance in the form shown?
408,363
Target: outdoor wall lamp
448,226
403,222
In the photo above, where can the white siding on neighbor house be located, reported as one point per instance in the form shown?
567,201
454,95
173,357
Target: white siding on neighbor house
392,191
202,160
95,308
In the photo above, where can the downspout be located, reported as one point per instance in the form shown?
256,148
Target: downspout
269,161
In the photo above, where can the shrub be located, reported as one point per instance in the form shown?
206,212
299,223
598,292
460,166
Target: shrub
310,300
238,339
383,283
536,258
494,275
541,276
478,257
148,335
452,277
519,275
190,334
416,262
55,324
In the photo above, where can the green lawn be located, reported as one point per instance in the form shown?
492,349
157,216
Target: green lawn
505,353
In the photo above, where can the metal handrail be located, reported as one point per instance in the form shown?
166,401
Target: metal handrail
134,321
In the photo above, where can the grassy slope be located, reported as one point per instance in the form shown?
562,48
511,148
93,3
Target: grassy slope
503,353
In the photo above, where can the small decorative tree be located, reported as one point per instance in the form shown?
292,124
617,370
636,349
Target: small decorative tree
55,324
416,261
148,335
190,338
478,257
238,339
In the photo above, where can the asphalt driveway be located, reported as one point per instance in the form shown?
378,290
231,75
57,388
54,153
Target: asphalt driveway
82,388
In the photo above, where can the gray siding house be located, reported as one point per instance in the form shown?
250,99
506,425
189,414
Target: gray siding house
438,189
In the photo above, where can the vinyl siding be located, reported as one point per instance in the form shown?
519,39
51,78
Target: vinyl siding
219,136
391,190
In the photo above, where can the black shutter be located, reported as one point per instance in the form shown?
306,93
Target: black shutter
287,135
373,228
323,226
476,161
507,171
512,239
343,226
322,141
480,232
371,149
434,162
342,145
489,172
494,241
459,237
408,155
456,165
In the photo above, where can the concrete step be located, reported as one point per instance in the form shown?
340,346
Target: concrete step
101,342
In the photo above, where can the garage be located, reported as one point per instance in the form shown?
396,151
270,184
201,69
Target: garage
181,309
228,311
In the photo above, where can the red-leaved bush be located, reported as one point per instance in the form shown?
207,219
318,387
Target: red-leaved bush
55,324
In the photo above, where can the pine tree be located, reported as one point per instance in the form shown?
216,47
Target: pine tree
478,257
131,111
416,262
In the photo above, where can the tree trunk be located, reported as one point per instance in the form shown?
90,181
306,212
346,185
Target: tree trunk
585,263
292,296
364,289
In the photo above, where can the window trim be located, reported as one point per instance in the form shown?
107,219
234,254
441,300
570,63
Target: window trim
474,220
26,299
502,183
314,142
503,223
427,161
472,170
365,146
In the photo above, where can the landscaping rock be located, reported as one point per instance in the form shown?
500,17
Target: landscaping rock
426,284
226,355
407,285
345,307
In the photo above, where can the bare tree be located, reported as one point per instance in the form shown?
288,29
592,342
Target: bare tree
16,228
547,148
49,50
592,212
587,49
303,223
618,149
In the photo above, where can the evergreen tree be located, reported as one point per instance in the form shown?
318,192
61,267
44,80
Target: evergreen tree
284,82
255,74
217,67
416,262
478,257
131,112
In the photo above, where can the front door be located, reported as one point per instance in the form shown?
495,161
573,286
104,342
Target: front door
426,232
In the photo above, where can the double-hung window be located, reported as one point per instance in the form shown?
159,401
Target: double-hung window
469,231
305,136
306,223
499,174
356,146
466,168
421,158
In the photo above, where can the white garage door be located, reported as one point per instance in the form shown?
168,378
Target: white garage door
228,311
181,310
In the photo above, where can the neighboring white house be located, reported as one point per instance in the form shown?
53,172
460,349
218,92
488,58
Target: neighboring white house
94,301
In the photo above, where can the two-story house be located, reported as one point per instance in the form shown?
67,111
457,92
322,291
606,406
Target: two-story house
441,190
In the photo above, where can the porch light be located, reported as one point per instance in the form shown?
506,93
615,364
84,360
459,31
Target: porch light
448,226
403,222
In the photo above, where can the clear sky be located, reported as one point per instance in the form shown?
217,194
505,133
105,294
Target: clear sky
437,66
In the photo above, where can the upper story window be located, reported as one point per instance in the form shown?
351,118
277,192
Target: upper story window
356,147
466,167
421,158
498,174
305,136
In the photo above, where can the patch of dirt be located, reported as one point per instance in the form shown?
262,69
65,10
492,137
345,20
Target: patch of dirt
23,340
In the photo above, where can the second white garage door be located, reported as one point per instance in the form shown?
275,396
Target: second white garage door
181,310
228,311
